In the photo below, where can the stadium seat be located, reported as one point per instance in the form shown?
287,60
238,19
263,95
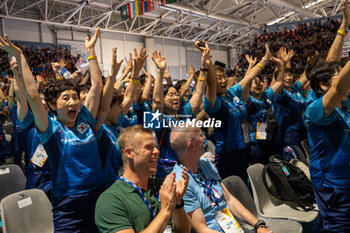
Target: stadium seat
238,189
269,206
12,179
28,211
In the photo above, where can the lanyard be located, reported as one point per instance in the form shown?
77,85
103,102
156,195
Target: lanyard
209,191
140,193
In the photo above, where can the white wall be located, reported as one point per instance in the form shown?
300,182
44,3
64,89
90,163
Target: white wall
178,53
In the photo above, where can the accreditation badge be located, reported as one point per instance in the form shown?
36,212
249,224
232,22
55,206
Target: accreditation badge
261,131
168,229
39,158
227,222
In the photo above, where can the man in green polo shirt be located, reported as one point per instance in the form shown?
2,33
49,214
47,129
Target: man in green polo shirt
131,204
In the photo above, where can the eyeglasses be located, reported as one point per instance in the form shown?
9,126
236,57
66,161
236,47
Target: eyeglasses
200,134
173,95
221,77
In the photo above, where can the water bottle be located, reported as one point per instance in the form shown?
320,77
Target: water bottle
63,72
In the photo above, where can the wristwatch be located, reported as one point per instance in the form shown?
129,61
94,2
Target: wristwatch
181,205
259,223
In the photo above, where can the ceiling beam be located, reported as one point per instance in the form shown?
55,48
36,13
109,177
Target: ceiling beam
292,7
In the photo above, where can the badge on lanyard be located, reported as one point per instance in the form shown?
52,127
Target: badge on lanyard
245,130
227,222
39,158
168,229
261,131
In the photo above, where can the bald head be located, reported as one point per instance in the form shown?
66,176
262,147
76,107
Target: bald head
180,138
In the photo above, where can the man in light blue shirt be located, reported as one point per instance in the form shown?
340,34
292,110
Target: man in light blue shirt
207,200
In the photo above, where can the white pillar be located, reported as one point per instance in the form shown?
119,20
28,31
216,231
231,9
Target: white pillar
233,58
150,47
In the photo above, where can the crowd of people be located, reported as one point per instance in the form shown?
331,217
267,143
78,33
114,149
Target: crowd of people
305,39
128,153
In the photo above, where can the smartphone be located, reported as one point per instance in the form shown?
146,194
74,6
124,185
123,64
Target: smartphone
201,44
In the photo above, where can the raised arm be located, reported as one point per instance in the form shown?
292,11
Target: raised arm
158,92
2,97
211,76
11,92
338,91
118,85
107,94
93,97
250,75
167,77
335,52
196,100
146,92
283,57
31,91
251,61
131,90
191,73
22,105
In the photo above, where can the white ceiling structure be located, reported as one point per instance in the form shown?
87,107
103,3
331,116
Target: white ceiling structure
220,22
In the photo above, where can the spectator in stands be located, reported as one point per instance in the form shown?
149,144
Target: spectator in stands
131,204
112,112
166,100
261,106
228,106
38,169
69,142
206,196
327,120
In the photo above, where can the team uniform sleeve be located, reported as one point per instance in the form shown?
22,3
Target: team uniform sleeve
315,114
298,88
212,109
235,90
27,121
51,129
87,117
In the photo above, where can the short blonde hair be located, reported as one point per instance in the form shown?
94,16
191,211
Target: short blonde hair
127,138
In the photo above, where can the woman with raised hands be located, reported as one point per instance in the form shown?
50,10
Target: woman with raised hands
112,110
68,141
228,106
260,108
166,100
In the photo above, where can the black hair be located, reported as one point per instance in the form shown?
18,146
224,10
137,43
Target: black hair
167,87
54,89
179,83
117,96
321,72
84,87
313,62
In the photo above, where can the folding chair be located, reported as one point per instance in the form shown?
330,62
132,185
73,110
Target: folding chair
28,211
269,206
12,179
239,190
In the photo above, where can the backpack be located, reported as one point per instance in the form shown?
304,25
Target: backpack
289,183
